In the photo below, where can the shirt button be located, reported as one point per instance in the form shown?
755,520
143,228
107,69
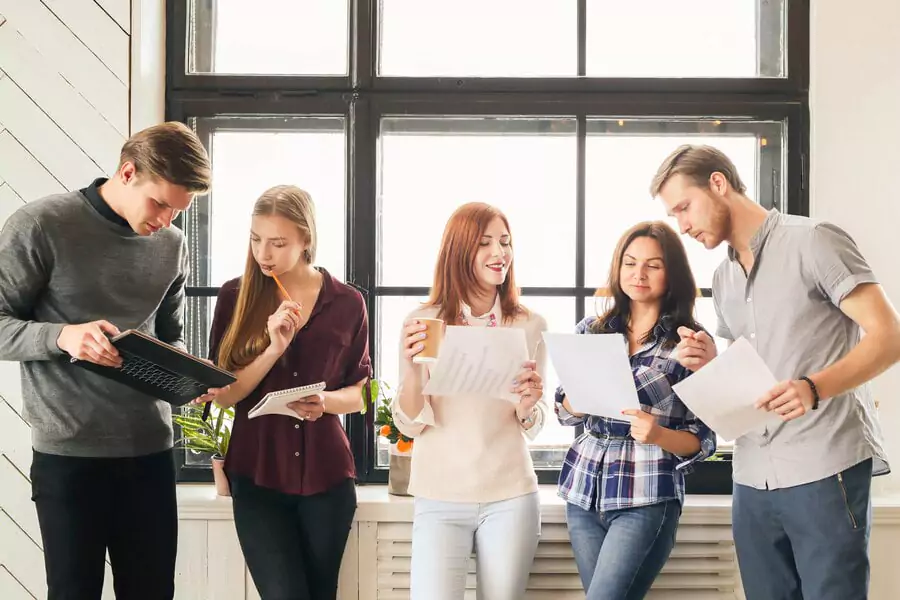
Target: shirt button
296,454
752,335
295,373
297,426
749,299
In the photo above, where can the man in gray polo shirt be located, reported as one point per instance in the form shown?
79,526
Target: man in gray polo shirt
800,292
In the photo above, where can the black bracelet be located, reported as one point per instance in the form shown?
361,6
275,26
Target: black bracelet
815,392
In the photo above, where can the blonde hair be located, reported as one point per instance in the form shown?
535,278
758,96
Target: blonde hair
247,335
697,163
171,152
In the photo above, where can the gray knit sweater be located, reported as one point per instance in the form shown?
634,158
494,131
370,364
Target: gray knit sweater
62,262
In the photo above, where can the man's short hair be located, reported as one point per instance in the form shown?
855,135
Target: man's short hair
172,152
696,163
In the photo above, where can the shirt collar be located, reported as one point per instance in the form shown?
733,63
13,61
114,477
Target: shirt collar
664,326
496,311
759,238
92,193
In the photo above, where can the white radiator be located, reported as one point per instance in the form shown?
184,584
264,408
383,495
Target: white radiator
701,567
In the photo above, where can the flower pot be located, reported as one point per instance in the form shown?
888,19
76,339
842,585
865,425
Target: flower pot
219,476
398,473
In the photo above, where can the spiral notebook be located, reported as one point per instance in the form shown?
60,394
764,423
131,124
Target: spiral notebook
276,403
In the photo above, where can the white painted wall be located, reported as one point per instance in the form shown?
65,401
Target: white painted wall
855,153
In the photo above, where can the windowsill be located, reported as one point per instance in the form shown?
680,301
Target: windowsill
198,501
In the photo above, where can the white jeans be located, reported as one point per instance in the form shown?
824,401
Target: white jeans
504,535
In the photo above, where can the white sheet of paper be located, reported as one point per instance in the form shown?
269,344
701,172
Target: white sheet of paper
723,393
595,372
478,360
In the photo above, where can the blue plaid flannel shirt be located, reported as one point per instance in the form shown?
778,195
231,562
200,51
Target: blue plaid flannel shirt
605,469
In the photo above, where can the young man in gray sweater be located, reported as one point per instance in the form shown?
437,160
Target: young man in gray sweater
76,268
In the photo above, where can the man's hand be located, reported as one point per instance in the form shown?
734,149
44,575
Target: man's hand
695,348
89,342
644,428
790,399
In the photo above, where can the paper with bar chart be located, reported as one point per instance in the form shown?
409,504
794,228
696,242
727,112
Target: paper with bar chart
478,361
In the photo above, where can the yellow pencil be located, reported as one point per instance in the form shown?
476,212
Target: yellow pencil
284,291
281,287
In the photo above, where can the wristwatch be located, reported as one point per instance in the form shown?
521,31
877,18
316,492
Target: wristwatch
815,391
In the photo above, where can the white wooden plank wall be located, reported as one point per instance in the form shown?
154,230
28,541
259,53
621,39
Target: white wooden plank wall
64,114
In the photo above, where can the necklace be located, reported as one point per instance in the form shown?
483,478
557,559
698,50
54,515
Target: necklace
492,320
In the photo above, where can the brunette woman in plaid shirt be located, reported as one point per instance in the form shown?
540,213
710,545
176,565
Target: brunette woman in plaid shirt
624,482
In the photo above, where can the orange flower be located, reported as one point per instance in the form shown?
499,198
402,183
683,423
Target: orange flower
404,446
385,430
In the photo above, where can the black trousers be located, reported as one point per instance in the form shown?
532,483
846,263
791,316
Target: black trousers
293,545
87,507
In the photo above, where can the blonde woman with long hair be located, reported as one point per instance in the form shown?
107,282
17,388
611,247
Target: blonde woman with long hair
292,479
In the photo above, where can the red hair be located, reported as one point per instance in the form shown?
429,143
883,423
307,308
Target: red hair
454,273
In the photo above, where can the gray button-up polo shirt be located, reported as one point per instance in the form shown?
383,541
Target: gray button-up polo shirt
787,308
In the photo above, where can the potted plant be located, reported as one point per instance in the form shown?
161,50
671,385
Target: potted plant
209,436
400,445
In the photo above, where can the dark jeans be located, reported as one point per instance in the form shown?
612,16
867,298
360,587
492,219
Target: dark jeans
88,506
809,541
293,545
619,553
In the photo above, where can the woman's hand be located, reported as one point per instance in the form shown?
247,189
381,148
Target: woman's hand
310,408
282,325
413,339
211,393
530,388
644,428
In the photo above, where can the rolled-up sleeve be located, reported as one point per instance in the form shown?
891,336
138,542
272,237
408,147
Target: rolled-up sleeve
412,426
563,416
359,363
838,265
707,439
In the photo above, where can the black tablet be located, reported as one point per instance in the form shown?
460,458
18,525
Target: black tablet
159,369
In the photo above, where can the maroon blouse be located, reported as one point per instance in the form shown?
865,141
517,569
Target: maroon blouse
283,453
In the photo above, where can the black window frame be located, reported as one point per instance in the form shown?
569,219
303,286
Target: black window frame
363,98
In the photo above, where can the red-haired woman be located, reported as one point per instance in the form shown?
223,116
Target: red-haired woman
472,474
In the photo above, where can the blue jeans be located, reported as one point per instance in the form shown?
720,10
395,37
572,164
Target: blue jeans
809,541
619,553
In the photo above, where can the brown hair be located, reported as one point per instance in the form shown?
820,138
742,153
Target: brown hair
170,152
247,335
697,163
678,303
454,273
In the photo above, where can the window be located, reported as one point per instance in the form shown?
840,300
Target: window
393,113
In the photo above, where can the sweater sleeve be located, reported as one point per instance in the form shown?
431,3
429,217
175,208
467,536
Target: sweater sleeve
170,316
25,267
